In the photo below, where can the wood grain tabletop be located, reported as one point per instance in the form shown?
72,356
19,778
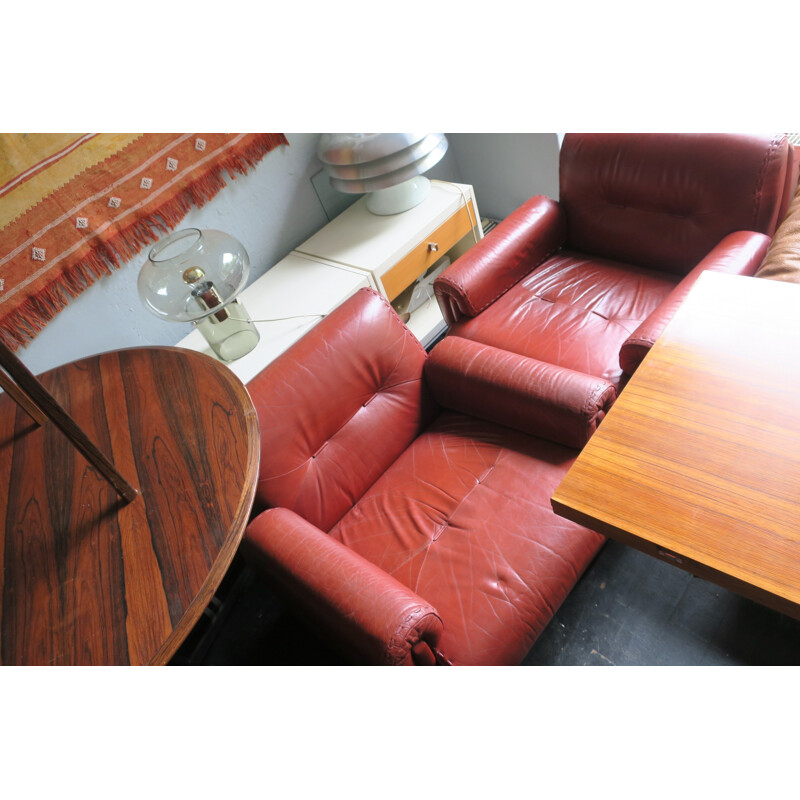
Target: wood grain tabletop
86,577
698,461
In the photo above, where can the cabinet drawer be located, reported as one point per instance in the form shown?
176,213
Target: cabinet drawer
411,266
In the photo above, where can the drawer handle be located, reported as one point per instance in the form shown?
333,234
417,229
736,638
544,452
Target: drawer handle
433,247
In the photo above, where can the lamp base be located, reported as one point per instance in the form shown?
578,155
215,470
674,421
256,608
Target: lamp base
233,336
399,198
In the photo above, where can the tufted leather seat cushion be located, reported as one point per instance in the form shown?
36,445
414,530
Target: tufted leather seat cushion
662,200
463,518
361,373
575,311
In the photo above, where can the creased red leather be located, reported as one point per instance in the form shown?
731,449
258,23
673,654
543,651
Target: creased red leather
641,210
739,253
664,200
575,311
509,252
355,378
366,611
532,396
463,518
460,516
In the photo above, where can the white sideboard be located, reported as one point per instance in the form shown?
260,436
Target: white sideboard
355,250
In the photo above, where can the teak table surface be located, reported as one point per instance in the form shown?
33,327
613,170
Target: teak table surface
87,578
698,461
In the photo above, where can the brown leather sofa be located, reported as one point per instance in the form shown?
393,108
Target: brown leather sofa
590,281
406,496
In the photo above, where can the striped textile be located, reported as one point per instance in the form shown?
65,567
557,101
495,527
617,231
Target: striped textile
73,207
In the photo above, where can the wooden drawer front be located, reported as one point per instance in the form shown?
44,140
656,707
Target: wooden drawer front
411,266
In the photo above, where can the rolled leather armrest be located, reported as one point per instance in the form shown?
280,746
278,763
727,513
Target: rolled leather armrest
532,396
373,615
739,253
521,242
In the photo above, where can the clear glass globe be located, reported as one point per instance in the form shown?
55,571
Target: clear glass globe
193,273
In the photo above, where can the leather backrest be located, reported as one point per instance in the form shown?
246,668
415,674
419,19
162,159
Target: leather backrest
338,408
663,200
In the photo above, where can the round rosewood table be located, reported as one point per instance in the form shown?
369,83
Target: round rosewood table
87,577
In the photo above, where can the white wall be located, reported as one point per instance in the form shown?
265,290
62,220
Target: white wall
271,210
506,169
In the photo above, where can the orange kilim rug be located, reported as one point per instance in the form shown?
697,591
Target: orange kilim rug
73,207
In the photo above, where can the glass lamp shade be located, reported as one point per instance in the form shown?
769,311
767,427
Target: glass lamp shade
194,276
167,290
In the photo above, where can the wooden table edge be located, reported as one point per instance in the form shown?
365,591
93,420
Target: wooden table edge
677,559
231,545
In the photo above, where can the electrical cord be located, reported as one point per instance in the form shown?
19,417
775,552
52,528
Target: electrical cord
295,316
473,223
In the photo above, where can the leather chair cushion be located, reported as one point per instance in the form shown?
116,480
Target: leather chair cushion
575,311
362,372
782,262
664,200
463,518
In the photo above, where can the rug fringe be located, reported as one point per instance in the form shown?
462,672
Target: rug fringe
23,324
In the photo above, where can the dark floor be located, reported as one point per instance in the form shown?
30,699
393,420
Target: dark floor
632,609
627,609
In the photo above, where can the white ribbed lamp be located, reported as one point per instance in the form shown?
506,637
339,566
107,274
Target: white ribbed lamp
387,166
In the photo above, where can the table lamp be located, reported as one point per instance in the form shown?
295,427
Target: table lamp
194,276
387,166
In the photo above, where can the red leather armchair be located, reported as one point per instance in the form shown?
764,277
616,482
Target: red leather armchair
407,496
589,282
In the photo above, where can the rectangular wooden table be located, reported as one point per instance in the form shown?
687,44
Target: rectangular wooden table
698,461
